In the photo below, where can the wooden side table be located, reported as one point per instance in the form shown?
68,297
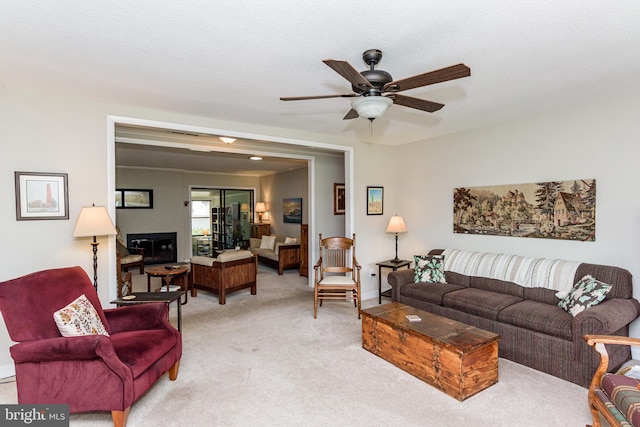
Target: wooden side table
169,276
394,266
148,297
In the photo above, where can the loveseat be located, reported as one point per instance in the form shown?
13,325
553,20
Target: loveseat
230,271
279,252
517,298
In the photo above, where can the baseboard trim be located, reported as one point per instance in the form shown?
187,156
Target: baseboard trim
7,371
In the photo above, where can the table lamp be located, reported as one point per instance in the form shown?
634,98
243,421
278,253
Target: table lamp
260,208
396,225
94,221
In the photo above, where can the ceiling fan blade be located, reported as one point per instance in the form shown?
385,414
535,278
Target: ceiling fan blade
419,104
302,98
442,75
352,114
347,71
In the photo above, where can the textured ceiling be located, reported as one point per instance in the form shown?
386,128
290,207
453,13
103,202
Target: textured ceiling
233,60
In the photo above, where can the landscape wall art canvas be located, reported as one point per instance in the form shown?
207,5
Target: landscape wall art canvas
563,210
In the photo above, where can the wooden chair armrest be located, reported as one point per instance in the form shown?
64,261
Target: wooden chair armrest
139,251
592,340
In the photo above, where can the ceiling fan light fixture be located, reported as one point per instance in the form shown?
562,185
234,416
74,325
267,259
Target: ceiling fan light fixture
371,107
255,158
227,140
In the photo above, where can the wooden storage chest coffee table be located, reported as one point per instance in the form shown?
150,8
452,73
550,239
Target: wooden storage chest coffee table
456,358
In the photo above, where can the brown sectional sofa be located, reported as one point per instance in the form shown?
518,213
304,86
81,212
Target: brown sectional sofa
533,330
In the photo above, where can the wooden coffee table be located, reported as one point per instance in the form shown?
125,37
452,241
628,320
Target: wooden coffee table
456,358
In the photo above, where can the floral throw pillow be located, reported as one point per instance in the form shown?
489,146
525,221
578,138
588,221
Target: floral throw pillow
79,318
429,269
584,294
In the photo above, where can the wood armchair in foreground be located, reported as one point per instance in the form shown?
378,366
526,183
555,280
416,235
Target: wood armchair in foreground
613,396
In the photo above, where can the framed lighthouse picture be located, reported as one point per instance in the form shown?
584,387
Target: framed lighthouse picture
41,195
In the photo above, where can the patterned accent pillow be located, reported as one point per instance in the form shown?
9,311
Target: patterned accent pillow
584,294
79,318
429,269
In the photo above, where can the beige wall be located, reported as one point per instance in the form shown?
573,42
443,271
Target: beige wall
585,142
57,133
170,189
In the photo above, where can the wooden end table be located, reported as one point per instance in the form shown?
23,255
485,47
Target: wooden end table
170,275
148,297
394,266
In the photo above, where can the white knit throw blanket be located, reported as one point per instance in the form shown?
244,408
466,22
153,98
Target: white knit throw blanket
553,274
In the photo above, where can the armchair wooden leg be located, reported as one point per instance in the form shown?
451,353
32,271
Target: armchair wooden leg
173,372
120,417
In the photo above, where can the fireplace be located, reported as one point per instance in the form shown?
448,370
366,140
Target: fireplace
159,248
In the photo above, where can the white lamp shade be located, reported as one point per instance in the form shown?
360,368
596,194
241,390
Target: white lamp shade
371,107
94,221
396,225
260,207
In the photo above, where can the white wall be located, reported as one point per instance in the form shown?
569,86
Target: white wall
56,133
593,141
170,190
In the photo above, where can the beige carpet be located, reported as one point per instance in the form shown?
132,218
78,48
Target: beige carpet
264,361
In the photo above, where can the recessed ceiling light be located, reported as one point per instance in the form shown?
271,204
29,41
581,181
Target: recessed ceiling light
255,158
227,140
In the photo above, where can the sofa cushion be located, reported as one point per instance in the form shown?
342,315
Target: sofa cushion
265,253
496,285
479,302
586,293
432,293
232,255
456,278
290,240
624,394
268,242
543,295
539,317
429,269
78,318
141,349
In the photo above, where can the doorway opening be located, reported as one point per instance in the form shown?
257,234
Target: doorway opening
220,219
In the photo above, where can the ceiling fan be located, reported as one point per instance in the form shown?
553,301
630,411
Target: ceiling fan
376,90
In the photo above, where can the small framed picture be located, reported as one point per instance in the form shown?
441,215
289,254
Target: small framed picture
375,200
41,195
134,199
292,210
339,195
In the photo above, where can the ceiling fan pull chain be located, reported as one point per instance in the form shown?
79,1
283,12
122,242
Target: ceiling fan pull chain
370,127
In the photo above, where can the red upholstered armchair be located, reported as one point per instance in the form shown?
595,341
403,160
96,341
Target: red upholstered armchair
90,372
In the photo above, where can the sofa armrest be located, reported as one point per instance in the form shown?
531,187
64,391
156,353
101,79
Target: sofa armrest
282,246
605,318
58,349
397,279
138,317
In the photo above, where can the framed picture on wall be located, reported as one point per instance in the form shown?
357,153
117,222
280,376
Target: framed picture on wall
41,195
292,211
375,200
134,199
339,202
